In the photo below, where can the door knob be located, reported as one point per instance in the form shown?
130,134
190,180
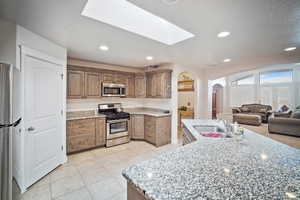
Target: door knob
31,128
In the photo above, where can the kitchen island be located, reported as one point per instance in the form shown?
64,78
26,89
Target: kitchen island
218,168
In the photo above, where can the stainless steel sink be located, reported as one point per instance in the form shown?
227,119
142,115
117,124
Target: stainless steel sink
212,129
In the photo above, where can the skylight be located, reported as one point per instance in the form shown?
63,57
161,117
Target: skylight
125,15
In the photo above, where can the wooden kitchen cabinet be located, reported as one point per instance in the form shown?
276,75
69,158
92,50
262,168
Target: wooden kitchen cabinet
83,82
83,85
100,132
137,127
81,134
117,78
121,79
140,85
92,85
85,134
75,82
130,86
108,78
158,130
159,84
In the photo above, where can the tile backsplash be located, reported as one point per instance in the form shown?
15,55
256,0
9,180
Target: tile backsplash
92,104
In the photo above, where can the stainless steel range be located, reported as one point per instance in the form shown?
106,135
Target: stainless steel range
117,123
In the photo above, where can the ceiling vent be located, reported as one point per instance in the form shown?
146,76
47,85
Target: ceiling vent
170,2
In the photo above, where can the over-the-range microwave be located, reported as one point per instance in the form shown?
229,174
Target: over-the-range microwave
113,90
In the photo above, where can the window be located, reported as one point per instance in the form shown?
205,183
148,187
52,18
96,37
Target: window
242,95
248,80
276,96
276,77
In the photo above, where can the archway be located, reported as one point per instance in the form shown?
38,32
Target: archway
217,100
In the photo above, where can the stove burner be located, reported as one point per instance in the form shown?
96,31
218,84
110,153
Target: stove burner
111,111
116,115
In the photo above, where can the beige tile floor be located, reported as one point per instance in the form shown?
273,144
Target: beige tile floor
96,174
93,175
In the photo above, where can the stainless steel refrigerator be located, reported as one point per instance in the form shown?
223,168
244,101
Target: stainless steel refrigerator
6,124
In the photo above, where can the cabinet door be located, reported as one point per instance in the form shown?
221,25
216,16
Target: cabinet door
138,127
75,82
150,129
140,86
151,85
81,135
160,85
108,78
163,130
100,132
120,79
130,86
92,85
168,84
163,84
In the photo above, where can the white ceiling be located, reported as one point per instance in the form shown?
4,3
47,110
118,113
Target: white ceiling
260,30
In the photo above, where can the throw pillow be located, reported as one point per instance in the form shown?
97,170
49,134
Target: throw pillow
296,115
263,110
245,109
238,110
284,108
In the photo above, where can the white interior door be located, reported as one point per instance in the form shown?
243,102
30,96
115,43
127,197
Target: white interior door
42,117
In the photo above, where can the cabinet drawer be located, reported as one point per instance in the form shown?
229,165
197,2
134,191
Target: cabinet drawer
81,127
117,141
80,143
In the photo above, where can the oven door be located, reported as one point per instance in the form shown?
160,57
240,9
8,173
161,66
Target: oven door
117,128
113,90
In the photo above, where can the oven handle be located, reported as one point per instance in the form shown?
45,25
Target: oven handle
117,121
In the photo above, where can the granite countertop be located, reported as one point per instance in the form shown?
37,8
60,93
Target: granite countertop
147,111
75,115
83,115
220,168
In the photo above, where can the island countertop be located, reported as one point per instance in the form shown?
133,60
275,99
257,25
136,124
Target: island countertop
220,168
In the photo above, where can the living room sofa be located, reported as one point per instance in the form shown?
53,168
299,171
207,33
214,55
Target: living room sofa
284,125
264,111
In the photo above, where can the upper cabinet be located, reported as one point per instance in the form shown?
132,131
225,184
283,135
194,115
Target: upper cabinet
140,85
87,83
92,85
83,84
159,84
130,86
75,84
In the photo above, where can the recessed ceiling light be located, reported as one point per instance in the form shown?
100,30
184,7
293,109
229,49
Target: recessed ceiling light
226,60
290,49
223,34
103,48
149,58
136,20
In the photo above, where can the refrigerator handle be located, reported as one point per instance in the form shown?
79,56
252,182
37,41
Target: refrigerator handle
16,123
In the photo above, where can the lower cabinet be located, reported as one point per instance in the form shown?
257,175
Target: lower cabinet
158,130
137,127
85,134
